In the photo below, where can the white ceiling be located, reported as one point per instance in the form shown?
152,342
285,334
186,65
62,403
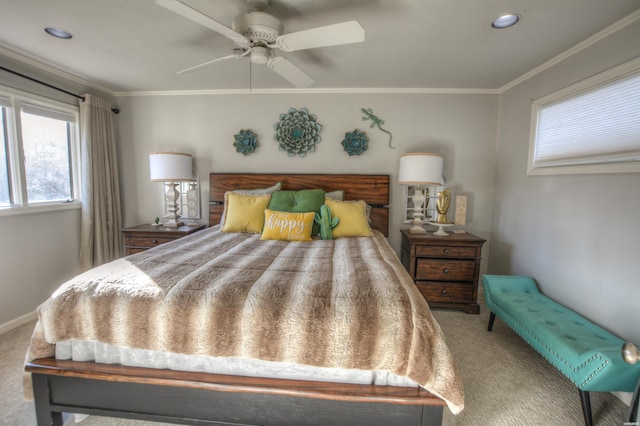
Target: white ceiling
136,45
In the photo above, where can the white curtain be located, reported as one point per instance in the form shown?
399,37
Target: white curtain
101,240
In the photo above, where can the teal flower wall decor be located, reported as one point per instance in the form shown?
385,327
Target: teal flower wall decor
297,132
245,142
356,142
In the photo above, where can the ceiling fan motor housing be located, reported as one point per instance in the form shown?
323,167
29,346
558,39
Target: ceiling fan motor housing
259,27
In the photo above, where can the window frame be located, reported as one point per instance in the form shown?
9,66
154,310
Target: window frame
429,210
15,154
182,202
577,165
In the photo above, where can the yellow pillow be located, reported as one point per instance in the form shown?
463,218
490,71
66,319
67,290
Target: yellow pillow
352,216
287,226
244,212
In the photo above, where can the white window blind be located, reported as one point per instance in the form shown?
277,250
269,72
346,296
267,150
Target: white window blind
54,113
593,123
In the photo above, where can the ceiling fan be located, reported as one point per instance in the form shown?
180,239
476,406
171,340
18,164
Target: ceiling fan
257,34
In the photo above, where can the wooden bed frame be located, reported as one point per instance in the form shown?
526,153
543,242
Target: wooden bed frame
373,189
208,399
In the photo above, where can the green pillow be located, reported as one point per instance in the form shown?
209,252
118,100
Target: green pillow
306,200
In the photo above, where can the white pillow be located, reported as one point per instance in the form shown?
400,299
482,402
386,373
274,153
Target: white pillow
335,195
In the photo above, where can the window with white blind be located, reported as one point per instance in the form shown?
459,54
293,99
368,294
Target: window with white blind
38,153
590,127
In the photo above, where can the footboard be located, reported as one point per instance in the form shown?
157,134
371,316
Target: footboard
201,398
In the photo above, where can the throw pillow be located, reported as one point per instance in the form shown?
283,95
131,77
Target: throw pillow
287,226
244,213
306,200
352,218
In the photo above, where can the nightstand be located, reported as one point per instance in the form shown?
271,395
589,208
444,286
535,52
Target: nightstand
143,237
445,269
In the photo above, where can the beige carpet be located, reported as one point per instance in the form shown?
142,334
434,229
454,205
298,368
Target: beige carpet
506,382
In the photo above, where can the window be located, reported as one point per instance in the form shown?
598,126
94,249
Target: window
429,211
5,183
188,202
590,127
39,152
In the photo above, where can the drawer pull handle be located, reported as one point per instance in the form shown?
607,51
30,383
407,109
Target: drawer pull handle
154,241
444,291
446,270
446,251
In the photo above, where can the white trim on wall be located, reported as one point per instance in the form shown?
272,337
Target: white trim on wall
26,59
23,57
322,91
617,26
17,322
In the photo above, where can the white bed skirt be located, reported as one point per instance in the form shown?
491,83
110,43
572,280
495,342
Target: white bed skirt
86,350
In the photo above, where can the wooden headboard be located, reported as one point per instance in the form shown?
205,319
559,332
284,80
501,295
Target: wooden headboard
373,189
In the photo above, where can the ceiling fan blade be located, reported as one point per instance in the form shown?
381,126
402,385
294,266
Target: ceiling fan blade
330,35
197,67
198,17
290,72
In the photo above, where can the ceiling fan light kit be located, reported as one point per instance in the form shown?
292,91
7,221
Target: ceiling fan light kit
259,33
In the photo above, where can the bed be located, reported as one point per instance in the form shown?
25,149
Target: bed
364,317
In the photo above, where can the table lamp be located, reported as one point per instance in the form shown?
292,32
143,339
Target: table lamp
171,168
420,170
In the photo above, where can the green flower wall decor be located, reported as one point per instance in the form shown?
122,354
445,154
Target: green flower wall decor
245,142
297,132
356,142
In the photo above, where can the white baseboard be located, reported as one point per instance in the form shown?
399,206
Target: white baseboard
17,322
624,397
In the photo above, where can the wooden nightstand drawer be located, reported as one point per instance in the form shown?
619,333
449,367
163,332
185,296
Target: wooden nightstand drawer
143,237
147,241
436,292
447,251
445,270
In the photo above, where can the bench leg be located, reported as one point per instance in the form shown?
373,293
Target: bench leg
634,413
586,407
492,318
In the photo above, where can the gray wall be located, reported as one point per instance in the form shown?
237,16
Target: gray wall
577,235
38,251
460,127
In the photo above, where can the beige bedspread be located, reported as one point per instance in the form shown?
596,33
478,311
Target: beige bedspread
346,303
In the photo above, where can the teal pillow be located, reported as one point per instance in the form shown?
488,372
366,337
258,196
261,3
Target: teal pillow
306,200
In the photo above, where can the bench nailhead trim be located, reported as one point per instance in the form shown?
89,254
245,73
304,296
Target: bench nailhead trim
604,360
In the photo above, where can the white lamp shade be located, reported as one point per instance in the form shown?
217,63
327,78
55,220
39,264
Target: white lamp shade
420,169
170,167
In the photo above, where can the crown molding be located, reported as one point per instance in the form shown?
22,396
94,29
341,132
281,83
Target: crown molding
324,91
42,65
616,26
27,59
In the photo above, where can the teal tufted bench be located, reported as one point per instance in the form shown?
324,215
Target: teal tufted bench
588,355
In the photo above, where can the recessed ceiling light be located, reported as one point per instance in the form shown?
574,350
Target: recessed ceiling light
58,32
505,21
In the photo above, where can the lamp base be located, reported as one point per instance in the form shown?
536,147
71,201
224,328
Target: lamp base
172,223
416,228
